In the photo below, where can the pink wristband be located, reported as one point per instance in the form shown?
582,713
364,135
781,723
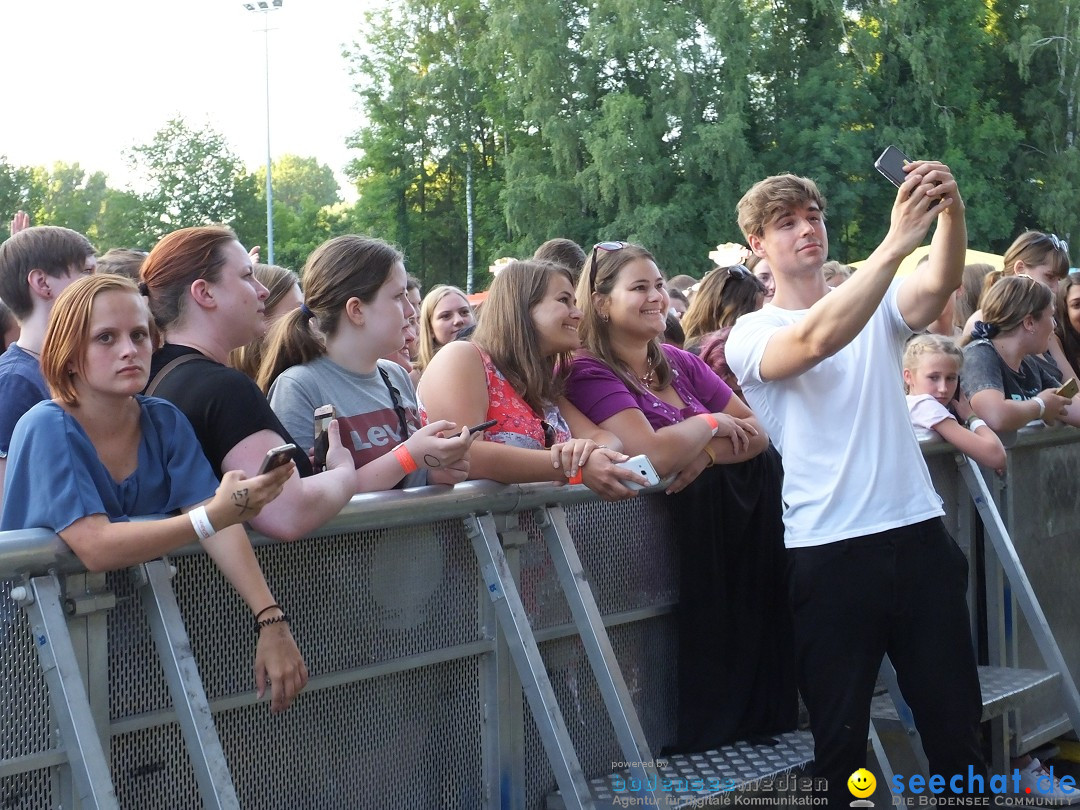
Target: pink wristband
576,479
405,459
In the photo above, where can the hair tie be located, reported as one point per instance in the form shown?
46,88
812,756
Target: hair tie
984,331
144,289
307,313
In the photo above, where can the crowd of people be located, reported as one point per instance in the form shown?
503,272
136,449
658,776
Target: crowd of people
768,395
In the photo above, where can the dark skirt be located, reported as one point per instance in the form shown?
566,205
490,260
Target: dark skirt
736,654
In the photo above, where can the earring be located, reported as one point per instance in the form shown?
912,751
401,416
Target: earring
605,318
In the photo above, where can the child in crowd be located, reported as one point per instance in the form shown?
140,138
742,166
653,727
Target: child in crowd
539,435
444,313
97,454
356,297
931,376
1006,384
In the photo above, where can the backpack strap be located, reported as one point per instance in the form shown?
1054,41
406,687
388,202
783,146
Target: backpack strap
166,369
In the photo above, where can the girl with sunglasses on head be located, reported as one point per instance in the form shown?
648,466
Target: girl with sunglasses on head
1045,258
1005,384
330,352
734,624
512,371
722,296
97,454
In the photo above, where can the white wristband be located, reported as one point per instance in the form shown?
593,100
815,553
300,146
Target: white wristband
1042,406
976,424
201,521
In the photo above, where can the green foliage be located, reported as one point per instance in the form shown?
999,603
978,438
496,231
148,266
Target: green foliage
491,127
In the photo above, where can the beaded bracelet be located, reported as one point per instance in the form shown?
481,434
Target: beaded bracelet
268,607
259,625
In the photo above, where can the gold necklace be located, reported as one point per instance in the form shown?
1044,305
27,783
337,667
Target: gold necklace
648,379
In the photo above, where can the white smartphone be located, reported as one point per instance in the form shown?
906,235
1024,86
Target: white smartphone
643,467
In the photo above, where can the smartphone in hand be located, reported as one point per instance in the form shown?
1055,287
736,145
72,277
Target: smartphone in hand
891,164
277,457
324,415
483,426
643,467
1069,389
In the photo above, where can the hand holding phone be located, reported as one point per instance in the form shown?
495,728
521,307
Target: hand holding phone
891,164
483,426
277,457
639,465
1069,389
324,415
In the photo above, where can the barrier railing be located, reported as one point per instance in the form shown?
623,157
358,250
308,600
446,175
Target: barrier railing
413,700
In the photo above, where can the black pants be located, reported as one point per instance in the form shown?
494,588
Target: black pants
736,649
901,592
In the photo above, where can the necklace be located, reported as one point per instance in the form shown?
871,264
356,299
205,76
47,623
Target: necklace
648,379
31,351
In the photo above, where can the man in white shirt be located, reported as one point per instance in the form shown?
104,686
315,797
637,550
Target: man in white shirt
873,569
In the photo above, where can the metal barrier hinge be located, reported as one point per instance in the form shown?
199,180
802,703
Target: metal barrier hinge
508,525
89,601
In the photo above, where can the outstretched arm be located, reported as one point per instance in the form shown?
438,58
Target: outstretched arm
834,320
923,296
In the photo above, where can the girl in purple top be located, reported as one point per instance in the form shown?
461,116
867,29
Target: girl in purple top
736,674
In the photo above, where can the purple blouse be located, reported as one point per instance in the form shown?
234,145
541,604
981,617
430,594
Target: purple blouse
598,393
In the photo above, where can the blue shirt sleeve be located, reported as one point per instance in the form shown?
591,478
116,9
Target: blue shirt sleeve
49,483
18,394
54,476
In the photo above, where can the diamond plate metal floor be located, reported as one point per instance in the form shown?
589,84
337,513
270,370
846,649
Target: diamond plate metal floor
1003,689
692,779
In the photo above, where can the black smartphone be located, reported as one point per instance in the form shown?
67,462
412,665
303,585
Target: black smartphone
324,415
891,164
277,457
483,426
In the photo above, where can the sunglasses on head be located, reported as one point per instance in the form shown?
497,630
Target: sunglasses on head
1057,242
740,270
607,247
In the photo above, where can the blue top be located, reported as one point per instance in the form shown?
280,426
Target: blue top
21,388
54,476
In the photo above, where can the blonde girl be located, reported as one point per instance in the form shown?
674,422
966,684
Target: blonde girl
931,376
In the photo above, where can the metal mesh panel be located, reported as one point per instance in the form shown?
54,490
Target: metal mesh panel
647,655
27,791
364,598
627,553
404,740
24,700
150,769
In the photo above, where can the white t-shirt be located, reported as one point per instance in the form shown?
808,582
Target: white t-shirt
852,465
925,413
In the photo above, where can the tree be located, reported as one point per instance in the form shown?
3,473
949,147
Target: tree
192,175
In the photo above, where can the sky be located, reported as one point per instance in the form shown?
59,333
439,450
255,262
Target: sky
85,81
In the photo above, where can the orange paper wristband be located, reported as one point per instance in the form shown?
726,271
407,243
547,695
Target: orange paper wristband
708,417
405,459
576,479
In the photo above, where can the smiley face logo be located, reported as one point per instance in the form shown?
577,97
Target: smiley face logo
861,783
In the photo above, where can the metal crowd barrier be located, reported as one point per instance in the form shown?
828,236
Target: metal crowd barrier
414,700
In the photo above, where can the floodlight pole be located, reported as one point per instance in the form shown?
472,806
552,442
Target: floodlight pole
264,8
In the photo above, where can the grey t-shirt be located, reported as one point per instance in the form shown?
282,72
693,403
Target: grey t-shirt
984,368
370,426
